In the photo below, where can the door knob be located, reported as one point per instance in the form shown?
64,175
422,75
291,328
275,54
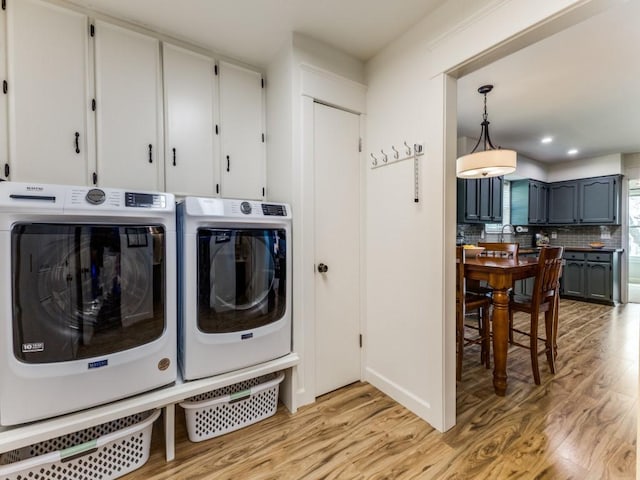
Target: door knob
322,268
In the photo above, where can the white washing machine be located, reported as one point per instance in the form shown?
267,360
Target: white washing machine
234,288
87,295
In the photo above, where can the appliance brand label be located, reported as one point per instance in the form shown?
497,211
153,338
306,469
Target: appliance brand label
34,188
98,364
246,336
33,347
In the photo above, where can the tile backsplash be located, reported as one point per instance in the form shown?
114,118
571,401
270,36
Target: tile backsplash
568,236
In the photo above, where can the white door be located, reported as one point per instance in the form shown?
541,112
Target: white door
337,240
241,124
189,102
129,109
48,93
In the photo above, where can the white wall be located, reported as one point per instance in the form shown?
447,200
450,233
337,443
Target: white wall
587,167
410,262
303,69
279,85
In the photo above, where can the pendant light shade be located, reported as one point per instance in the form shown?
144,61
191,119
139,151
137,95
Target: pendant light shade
491,161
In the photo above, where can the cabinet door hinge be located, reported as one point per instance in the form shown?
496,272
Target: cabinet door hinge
5,87
217,129
217,188
262,82
95,178
93,104
7,171
215,69
92,30
263,138
360,340
360,145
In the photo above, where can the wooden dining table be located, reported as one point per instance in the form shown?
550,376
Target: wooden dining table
500,273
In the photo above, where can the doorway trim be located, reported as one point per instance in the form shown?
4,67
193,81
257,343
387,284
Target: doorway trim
317,85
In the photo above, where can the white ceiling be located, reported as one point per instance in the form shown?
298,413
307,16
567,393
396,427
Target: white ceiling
254,30
580,86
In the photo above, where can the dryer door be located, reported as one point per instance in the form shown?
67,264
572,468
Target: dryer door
241,278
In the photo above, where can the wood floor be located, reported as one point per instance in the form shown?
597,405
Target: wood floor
579,424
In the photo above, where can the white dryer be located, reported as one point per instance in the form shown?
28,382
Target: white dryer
234,288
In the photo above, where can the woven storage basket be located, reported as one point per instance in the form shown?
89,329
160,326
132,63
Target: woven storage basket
103,452
229,408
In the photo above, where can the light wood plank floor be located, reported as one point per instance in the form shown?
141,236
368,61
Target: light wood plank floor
579,424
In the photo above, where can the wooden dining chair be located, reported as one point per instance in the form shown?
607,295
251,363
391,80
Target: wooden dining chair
466,302
543,300
493,249
499,249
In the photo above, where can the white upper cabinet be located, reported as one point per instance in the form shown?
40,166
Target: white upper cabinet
242,130
190,164
4,152
48,93
129,109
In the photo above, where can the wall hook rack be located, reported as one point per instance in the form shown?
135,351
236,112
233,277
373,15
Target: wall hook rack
411,154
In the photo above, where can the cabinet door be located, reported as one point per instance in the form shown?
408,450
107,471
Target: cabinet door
241,123
599,200
189,104
468,204
129,109
490,198
537,203
563,202
573,278
48,93
4,145
598,276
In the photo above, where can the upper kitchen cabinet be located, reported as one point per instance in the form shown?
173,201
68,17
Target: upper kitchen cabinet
4,145
480,200
192,162
242,132
528,202
563,202
48,89
600,200
129,109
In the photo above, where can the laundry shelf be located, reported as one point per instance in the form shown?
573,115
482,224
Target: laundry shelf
19,436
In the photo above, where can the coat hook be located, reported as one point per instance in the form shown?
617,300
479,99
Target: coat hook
396,154
408,149
375,160
384,156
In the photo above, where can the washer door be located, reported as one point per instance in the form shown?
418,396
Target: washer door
82,291
241,278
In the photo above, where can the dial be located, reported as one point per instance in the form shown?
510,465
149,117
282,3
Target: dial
95,196
245,207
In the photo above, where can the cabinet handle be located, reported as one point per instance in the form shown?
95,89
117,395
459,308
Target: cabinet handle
150,153
174,157
77,142
95,178
228,163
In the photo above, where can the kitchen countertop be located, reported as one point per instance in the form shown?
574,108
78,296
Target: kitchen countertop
574,249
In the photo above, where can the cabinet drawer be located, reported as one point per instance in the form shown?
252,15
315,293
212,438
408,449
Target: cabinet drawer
574,255
599,257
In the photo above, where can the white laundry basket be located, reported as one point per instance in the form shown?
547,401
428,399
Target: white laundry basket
229,408
103,452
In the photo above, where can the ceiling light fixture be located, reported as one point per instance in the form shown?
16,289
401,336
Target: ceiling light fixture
547,140
573,151
491,161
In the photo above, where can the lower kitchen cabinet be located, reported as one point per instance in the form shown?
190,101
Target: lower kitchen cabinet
591,276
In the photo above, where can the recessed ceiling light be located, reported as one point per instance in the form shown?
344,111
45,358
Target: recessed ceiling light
573,151
547,140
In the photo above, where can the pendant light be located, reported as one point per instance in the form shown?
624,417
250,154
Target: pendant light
491,161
